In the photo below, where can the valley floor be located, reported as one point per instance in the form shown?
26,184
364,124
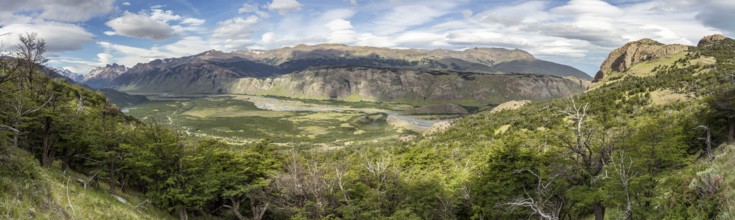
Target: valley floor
243,119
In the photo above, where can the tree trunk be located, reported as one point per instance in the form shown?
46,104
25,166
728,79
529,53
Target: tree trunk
182,213
45,160
16,136
236,208
124,182
599,210
258,212
112,177
730,131
46,157
708,139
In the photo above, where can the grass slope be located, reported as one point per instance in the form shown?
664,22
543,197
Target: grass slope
29,192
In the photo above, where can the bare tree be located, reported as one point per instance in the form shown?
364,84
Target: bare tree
544,201
304,185
378,168
623,171
31,53
588,148
339,175
707,141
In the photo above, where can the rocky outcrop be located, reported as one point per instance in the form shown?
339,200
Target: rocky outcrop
711,39
623,58
510,105
411,86
438,128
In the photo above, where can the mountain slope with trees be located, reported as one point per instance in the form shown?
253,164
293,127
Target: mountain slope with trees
637,145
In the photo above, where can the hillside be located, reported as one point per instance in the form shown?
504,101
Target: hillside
649,127
31,192
292,71
651,139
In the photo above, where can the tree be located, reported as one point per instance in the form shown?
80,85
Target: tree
545,199
110,131
589,149
500,180
31,52
724,103
244,176
22,98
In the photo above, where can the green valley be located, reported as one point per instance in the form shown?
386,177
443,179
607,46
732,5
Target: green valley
651,138
287,122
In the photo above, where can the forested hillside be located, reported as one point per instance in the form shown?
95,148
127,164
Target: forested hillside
640,144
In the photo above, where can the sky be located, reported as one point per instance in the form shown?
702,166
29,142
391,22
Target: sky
84,34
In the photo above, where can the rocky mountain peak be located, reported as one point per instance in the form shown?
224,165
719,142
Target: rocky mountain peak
623,58
100,75
69,74
645,41
711,39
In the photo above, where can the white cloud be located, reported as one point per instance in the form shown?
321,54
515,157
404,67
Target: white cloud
254,9
141,25
129,56
110,33
284,6
58,36
267,38
341,31
126,4
60,10
104,58
420,39
158,25
164,16
513,15
594,7
235,32
190,26
193,21
403,17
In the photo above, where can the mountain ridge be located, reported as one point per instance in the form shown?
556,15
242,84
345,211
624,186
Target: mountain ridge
217,72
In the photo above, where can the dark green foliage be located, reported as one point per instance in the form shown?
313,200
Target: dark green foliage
502,179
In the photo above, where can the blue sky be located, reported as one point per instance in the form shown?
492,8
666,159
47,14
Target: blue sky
83,34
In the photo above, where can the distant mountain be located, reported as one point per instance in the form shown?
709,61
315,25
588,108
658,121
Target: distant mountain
100,77
365,73
68,74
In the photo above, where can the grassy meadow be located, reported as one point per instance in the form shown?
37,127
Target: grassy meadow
239,121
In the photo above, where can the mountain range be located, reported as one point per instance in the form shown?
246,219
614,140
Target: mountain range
476,76
76,77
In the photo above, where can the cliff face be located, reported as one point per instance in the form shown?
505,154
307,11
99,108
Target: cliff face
410,86
634,52
710,40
